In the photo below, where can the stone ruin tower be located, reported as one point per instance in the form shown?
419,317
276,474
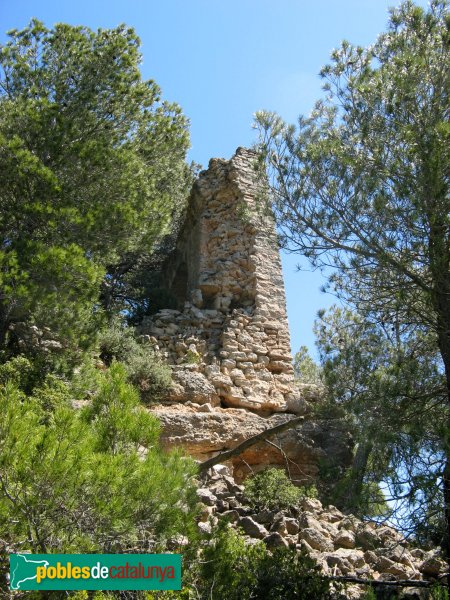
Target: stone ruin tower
228,339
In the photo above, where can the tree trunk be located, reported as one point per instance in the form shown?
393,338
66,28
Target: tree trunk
444,347
439,259
352,495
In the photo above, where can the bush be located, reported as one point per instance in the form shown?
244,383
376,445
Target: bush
273,490
145,368
439,593
219,574
234,570
22,372
89,481
116,342
149,373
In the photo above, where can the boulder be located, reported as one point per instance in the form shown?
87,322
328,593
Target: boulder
231,515
339,562
264,516
194,387
206,496
367,538
350,523
386,565
432,566
291,525
311,504
332,515
275,540
252,528
354,556
316,539
345,539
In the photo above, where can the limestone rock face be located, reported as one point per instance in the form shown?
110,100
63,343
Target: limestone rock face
228,339
204,434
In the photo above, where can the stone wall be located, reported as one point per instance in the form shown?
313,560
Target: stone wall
228,342
226,274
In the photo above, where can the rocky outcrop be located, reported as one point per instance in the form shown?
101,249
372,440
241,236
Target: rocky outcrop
228,341
206,430
341,545
30,337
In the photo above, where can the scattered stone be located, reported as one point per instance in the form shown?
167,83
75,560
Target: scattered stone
316,539
350,523
340,562
370,557
231,515
432,566
222,506
275,540
178,541
332,515
311,504
291,525
221,470
367,538
206,513
206,496
345,539
264,517
334,548
252,528
205,527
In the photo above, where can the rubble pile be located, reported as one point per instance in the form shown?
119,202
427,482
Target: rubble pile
341,545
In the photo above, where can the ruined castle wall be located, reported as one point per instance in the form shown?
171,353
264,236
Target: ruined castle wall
234,315
228,342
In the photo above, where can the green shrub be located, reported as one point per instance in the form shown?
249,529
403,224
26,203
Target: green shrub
149,373
21,372
192,358
273,490
117,341
79,481
369,594
234,570
145,368
439,593
85,380
183,594
226,551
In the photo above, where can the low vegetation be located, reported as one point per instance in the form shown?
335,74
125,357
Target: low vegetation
272,489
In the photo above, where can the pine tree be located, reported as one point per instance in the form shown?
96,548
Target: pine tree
362,184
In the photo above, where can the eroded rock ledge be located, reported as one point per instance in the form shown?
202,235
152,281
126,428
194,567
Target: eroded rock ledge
204,431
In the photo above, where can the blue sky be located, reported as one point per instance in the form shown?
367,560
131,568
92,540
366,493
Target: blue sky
224,60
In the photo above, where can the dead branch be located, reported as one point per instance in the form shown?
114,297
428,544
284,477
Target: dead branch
377,582
227,454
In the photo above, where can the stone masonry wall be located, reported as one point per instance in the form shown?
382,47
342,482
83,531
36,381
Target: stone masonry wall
228,341
234,308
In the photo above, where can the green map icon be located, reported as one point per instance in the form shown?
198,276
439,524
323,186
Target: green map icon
23,568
